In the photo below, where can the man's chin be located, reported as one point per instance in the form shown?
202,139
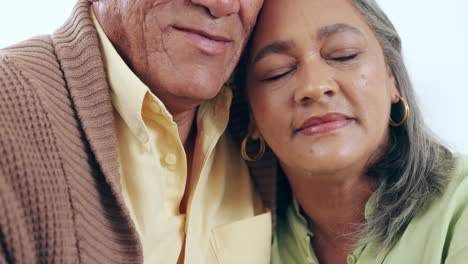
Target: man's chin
201,88
200,95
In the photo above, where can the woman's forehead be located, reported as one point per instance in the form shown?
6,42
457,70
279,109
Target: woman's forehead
281,18
281,21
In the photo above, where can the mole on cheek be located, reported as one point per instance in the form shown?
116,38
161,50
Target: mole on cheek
359,83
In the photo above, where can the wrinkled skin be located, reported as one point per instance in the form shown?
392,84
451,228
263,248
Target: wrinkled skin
145,34
342,72
182,69
321,99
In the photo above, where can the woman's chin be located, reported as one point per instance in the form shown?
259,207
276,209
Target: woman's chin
329,162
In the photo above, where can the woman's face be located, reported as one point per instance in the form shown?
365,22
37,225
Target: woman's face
319,87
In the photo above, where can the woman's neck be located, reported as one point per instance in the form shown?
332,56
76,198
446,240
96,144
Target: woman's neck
334,205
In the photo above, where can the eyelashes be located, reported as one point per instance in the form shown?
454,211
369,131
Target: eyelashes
276,77
344,58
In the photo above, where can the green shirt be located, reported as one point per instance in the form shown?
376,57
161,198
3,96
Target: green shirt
438,233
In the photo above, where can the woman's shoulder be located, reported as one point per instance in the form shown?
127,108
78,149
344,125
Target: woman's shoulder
449,212
460,171
455,195
456,191
440,230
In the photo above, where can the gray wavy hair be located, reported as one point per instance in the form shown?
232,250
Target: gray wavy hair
415,166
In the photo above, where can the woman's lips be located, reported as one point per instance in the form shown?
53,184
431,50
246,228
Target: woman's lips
324,124
210,44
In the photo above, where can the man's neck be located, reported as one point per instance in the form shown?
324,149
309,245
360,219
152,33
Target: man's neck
186,126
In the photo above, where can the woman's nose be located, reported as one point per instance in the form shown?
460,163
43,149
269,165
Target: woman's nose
219,8
315,85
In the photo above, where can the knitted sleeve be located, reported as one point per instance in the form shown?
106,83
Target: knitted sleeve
3,257
36,224
17,242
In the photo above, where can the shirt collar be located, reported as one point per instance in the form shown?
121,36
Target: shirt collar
121,79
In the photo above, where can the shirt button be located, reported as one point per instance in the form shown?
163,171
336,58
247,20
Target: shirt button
351,259
171,159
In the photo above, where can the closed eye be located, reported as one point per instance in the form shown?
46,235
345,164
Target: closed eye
345,58
278,76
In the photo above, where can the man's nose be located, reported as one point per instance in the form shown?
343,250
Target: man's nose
315,85
219,8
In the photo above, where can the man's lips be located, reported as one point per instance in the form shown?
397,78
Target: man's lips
205,34
323,124
212,44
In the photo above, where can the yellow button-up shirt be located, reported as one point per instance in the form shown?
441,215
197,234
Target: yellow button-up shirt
224,221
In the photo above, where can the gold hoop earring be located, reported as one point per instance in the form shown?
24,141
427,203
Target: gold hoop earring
260,153
405,116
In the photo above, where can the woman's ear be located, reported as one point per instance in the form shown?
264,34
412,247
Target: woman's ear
394,90
253,129
393,86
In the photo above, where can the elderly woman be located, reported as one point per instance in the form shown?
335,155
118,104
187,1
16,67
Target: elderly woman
331,97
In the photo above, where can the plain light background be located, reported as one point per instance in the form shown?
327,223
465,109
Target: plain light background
435,44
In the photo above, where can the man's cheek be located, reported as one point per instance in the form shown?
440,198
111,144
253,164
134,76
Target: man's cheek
250,10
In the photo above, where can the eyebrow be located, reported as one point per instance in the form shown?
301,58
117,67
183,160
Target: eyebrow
333,29
282,46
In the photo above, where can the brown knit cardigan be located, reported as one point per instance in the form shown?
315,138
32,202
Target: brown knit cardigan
60,197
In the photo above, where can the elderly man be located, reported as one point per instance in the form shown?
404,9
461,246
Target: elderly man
112,146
